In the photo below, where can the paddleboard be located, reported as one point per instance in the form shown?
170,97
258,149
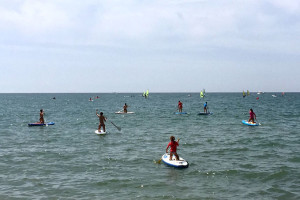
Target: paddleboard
121,112
40,124
100,133
203,113
181,163
250,123
181,113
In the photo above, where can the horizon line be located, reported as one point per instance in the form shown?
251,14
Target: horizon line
135,92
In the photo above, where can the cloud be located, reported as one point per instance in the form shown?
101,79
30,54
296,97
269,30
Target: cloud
34,17
160,24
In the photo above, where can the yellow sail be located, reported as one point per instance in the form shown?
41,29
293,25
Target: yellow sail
201,94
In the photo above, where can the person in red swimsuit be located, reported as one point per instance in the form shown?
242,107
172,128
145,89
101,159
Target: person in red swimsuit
252,116
179,106
173,145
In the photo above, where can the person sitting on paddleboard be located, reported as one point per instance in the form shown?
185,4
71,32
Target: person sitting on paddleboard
179,106
205,107
102,119
173,145
252,116
42,121
125,108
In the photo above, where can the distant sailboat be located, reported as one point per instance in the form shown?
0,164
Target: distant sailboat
244,94
248,93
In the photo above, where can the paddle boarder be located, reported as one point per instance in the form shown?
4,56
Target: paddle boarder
42,121
179,106
102,119
252,115
125,108
205,107
173,145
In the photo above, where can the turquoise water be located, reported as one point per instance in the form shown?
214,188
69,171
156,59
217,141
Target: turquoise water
228,160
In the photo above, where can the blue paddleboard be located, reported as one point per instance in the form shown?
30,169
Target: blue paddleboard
181,113
40,124
250,123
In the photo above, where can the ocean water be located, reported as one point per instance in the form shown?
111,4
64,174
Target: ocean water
228,160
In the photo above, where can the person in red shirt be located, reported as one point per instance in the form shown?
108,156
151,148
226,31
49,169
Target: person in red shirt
173,145
252,116
179,106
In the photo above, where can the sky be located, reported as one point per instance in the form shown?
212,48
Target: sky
49,46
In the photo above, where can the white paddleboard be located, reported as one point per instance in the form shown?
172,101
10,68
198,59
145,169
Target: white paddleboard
100,133
181,163
121,112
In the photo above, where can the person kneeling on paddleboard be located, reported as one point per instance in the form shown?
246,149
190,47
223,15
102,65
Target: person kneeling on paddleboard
252,116
173,144
102,119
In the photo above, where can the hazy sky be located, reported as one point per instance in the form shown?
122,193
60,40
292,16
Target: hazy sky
160,45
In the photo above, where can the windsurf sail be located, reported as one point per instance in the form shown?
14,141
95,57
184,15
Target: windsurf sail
244,94
202,93
146,94
248,93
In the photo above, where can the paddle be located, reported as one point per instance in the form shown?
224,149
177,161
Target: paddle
257,122
119,128
159,161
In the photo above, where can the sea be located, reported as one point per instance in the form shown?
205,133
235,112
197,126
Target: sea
227,159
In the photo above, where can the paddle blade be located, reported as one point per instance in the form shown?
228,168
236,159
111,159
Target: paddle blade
159,161
119,129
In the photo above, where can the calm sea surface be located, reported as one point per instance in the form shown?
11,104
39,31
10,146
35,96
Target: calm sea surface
228,160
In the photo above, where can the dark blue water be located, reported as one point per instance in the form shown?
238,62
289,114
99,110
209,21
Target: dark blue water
228,160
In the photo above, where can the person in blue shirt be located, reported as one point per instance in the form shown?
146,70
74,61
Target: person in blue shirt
205,107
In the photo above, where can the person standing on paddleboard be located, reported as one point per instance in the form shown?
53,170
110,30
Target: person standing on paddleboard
179,106
173,144
252,116
125,108
42,121
205,107
102,119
